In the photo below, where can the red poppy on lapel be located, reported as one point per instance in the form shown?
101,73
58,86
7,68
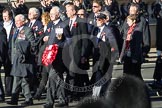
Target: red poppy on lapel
48,30
75,24
49,54
40,32
21,35
12,30
103,36
35,27
22,32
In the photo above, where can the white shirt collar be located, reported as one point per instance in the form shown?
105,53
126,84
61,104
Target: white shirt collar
8,23
20,28
56,21
101,29
33,21
73,20
8,27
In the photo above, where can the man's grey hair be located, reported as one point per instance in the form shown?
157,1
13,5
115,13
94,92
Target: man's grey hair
21,17
35,10
56,8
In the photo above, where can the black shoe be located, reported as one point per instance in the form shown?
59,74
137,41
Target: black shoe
47,106
159,93
38,97
12,103
159,60
156,85
8,94
2,99
61,104
27,103
147,56
145,61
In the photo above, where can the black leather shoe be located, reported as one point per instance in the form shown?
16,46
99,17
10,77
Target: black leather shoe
12,103
47,106
27,103
38,97
2,99
61,104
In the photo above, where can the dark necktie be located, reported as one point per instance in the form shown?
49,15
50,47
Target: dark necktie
30,25
53,26
15,34
98,38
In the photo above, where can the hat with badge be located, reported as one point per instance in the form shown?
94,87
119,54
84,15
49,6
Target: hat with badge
101,16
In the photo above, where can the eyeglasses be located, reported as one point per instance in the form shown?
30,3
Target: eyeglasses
95,6
98,19
81,14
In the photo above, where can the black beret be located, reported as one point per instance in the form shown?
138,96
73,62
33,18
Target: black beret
101,16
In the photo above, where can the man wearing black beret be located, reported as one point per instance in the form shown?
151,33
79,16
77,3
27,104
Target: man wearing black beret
103,44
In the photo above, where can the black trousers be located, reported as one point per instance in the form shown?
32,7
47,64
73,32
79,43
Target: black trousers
8,78
77,80
55,87
1,88
43,81
132,68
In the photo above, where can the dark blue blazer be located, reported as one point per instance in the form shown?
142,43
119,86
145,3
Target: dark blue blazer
36,26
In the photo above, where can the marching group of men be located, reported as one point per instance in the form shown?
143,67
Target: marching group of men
77,38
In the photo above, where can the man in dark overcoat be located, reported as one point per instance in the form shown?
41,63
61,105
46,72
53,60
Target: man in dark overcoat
9,25
103,44
57,36
22,60
3,53
78,49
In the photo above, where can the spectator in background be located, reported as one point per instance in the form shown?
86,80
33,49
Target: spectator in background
157,12
81,13
9,25
46,5
124,8
20,7
113,7
77,4
142,11
143,28
132,47
1,10
3,51
96,8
